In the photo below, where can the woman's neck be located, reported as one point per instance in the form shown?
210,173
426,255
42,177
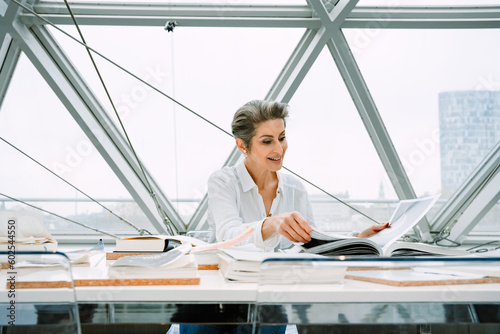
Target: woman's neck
263,178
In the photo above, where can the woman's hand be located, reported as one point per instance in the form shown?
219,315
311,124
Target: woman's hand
291,225
372,230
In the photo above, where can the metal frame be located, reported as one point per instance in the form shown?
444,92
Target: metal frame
9,49
24,31
486,198
271,16
8,64
472,200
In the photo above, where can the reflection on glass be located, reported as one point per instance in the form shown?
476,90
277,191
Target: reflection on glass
469,123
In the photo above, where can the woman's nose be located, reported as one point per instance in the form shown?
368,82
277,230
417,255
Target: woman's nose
278,147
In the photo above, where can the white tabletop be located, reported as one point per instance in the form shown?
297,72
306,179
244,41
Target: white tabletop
214,288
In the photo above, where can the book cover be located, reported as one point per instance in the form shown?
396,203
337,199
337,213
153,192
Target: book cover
143,243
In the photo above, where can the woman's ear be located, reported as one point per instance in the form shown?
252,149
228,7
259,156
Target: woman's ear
241,146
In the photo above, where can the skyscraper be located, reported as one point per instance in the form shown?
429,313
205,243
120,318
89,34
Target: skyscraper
469,124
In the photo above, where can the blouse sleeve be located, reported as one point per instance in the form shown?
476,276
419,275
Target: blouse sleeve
224,211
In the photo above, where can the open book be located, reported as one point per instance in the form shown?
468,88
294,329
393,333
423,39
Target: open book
407,214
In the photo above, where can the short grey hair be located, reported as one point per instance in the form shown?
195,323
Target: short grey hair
249,116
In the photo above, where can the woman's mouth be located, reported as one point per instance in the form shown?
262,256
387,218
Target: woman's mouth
278,159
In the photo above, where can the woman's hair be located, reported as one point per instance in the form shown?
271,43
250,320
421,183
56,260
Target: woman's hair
249,116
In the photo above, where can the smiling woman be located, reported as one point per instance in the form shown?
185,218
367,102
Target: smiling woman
255,192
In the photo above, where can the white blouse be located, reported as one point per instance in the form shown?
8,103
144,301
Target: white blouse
234,203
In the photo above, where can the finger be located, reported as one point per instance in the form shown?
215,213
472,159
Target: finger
302,222
294,233
298,229
379,227
286,235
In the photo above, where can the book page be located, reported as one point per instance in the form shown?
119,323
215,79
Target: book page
397,248
316,234
407,214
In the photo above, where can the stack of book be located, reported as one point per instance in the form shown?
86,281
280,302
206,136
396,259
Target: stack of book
176,263
242,265
205,254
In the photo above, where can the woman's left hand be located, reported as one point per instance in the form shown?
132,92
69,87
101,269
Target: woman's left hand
372,230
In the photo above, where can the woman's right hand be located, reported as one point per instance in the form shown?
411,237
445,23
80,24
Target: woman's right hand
291,225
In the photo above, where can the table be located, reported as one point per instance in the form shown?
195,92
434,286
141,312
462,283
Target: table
216,300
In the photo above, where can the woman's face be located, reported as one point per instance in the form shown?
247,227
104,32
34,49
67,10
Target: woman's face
268,145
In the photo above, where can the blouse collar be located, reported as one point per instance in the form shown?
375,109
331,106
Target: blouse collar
246,180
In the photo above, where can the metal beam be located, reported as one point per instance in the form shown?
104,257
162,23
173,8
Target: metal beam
3,7
147,9
307,51
9,50
469,217
182,21
420,17
472,193
42,50
290,66
298,65
209,15
8,62
213,15
338,14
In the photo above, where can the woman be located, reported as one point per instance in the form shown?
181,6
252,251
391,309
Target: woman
255,193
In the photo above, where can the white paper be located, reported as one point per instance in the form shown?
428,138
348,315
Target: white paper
407,214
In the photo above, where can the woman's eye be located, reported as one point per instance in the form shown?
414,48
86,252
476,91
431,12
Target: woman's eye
282,138
267,142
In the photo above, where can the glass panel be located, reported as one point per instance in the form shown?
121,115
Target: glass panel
328,145
41,127
211,71
470,127
490,222
435,90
